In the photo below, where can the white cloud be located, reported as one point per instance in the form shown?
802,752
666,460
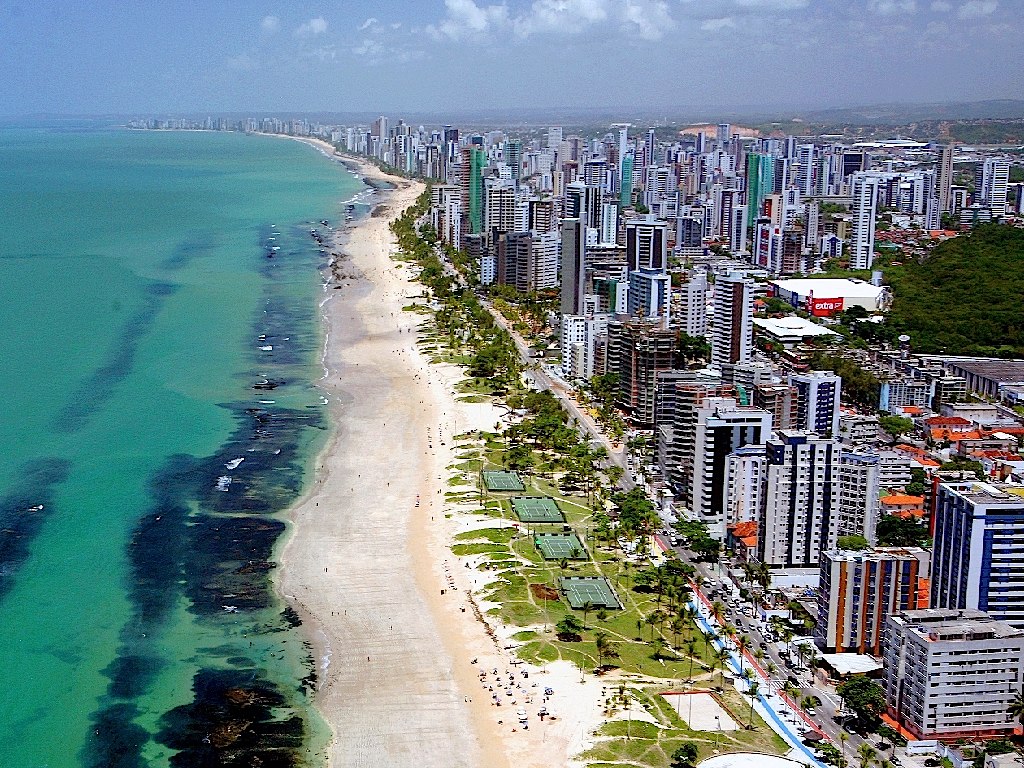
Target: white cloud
312,28
270,24
648,18
942,6
367,24
892,7
714,25
368,47
974,9
567,16
467,19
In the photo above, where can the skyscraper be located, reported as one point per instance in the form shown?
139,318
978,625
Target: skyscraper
626,181
646,244
732,339
944,184
573,266
760,183
862,230
995,177
722,427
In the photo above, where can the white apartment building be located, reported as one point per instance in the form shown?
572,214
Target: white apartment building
952,674
862,232
858,474
801,512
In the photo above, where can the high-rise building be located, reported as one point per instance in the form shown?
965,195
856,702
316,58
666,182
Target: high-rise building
626,181
994,179
722,427
817,401
779,400
573,267
977,555
514,157
805,173
800,519
944,182
859,476
862,231
554,138
692,301
859,591
732,337
646,244
648,296
744,484
527,260
952,674
637,351
760,183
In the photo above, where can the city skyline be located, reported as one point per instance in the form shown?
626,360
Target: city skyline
101,58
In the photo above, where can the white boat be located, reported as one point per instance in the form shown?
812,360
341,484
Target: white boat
266,347
234,463
223,482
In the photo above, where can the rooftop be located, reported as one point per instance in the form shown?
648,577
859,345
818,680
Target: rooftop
830,287
792,326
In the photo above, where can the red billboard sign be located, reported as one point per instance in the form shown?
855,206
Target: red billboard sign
824,307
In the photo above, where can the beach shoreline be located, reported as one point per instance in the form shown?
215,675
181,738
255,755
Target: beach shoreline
367,564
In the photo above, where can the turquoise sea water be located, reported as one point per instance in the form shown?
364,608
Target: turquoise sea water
140,298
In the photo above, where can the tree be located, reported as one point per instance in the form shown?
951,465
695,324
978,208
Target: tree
1016,710
753,688
606,649
569,629
721,656
894,531
960,464
853,543
691,651
587,607
864,698
896,425
843,738
685,756
867,754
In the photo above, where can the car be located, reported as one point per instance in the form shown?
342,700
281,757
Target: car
811,711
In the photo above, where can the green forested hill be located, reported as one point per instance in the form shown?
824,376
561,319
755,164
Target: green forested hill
966,298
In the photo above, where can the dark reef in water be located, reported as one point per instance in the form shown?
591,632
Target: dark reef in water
23,510
88,398
232,722
211,543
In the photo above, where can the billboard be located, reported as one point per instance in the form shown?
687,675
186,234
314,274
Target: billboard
824,307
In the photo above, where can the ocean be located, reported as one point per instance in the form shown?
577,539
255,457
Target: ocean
159,350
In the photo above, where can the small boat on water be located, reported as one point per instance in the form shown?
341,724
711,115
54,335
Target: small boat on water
266,348
234,463
223,482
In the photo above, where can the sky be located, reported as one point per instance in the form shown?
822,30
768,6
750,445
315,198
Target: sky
235,56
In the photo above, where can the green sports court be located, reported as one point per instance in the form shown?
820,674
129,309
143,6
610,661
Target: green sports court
560,546
590,589
537,509
496,480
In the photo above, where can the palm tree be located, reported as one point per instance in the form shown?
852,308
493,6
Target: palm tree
717,611
843,738
742,643
689,615
771,669
691,650
587,607
721,656
605,648
866,753
677,626
752,690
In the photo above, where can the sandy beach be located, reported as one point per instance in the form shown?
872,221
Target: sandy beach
368,565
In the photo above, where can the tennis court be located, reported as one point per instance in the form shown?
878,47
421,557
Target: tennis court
560,546
537,509
590,589
503,481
